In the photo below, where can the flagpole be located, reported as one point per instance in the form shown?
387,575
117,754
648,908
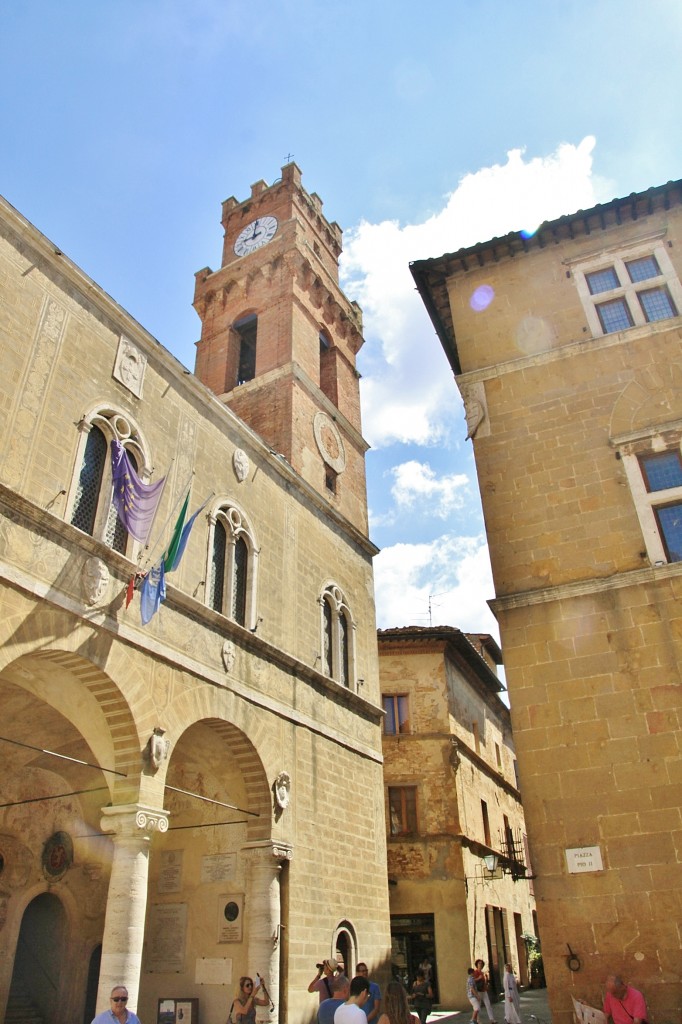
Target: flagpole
181,497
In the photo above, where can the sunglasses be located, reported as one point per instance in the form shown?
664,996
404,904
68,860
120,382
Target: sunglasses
119,999
248,984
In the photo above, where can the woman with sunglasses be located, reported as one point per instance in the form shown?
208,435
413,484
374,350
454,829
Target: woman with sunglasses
243,1009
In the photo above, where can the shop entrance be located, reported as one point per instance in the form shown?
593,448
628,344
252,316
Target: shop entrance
413,945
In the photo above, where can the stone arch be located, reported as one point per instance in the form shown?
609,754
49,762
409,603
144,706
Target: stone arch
652,400
346,946
36,672
231,720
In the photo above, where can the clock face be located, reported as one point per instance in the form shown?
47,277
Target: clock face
254,235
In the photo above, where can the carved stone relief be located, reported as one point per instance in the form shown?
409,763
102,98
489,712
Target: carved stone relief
240,464
130,366
475,410
329,442
95,580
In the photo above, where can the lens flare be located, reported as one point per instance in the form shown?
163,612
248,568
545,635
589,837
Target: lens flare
482,298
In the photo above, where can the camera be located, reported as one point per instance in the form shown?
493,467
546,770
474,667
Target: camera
320,967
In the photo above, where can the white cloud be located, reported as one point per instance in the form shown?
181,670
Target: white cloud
451,576
416,484
408,393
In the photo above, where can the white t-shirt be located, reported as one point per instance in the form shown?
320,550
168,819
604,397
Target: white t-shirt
349,1013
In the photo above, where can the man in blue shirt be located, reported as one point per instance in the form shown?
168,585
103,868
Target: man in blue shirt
373,1004
340,987
118,1012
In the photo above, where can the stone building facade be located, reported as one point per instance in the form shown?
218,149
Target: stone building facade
178,798
452,800
566,346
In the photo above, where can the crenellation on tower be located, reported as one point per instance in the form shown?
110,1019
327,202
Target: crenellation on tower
279,338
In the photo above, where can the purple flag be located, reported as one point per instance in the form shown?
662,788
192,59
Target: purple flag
135,502
152,592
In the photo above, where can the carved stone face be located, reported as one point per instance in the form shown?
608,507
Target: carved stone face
283,790
95,580
240,464
158,748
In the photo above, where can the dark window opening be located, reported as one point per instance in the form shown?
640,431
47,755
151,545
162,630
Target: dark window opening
486,822
247,329
90,481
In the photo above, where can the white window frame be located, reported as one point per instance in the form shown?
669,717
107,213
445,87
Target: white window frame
627,289
647,501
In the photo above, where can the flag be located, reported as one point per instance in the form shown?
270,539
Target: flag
130,590
172,550
182,543
135,501
152,592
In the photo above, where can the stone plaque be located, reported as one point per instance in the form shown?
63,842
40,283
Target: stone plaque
220,867
170,876
210,970
167,936
230,918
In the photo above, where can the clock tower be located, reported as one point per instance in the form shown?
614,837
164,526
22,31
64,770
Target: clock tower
279,338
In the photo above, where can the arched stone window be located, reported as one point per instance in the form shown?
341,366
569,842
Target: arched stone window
232,564
338,637
89,505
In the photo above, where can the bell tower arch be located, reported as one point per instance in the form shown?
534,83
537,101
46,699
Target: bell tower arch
279,339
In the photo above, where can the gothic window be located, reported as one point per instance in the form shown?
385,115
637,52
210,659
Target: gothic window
247,330
90,506
233,558
338,638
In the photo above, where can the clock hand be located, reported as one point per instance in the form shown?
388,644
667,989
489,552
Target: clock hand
255,231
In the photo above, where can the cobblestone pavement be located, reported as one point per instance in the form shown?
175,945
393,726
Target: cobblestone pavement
534,1010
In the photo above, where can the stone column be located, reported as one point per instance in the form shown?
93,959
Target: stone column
131,826
264,864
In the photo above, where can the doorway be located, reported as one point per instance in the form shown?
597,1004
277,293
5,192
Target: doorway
38,961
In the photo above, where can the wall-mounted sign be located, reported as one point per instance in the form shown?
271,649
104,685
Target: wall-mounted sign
178,1011
584,858
230,918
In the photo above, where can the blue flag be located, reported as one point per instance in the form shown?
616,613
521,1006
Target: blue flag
152,592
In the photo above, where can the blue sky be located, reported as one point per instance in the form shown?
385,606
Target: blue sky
422,127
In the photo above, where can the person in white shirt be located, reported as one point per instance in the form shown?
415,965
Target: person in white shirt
351,1012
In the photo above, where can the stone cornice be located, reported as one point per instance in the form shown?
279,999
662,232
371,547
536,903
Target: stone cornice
568,351
583,588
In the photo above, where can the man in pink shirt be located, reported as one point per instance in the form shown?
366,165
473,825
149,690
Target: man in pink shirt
623,1003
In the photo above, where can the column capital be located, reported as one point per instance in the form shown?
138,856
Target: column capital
133,821
264,849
